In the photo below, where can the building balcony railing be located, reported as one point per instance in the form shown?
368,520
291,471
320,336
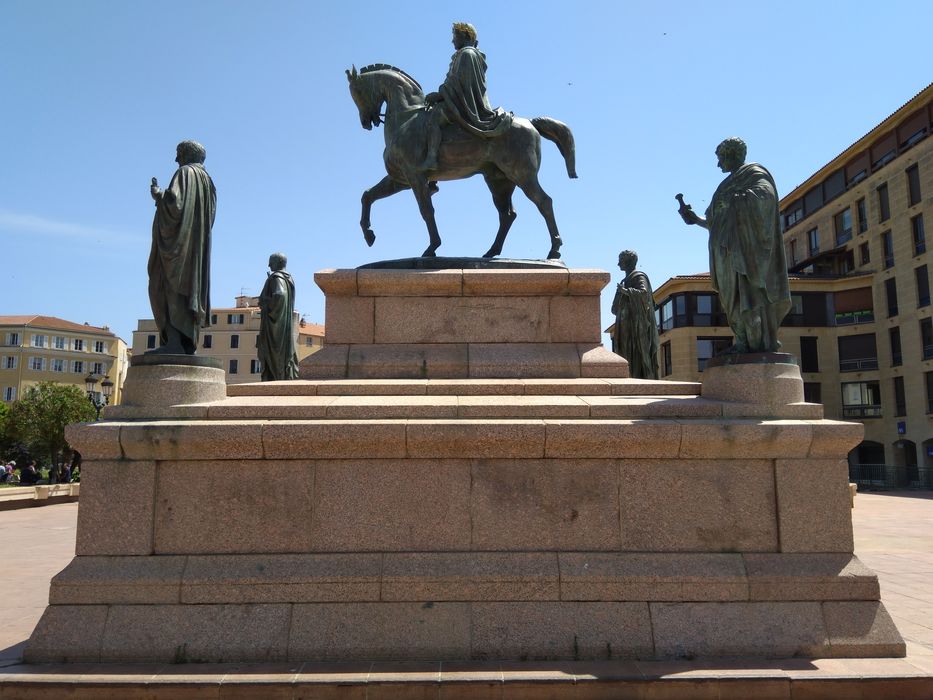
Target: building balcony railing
863,411
861,364
851,318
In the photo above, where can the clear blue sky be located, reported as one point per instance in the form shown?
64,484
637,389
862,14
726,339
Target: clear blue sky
97,93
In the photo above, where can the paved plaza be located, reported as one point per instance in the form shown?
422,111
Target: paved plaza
893,536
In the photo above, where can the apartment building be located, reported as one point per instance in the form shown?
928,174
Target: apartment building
233,337
861,323
37,349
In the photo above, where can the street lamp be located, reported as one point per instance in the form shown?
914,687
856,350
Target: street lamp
90,383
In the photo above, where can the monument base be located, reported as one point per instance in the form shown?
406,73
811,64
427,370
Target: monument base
463,323
464,518
155,380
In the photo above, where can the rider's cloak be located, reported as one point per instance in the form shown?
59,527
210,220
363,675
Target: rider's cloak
464,92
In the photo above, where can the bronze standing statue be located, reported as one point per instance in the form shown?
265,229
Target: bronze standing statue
746,253
455,134
276,346
636,333
180,259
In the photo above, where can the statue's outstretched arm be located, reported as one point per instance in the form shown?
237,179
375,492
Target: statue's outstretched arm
689,216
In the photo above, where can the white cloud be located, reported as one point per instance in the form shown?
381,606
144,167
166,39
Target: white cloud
19,223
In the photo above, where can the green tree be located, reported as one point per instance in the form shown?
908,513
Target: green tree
5,437
39,418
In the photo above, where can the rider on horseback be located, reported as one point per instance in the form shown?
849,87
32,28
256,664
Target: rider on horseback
462,98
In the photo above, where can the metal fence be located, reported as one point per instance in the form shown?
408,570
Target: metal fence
884,477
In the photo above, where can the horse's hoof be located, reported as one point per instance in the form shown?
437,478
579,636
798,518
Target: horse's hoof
369,236
492,253
553,255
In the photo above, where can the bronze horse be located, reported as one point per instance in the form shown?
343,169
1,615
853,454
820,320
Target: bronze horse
505,162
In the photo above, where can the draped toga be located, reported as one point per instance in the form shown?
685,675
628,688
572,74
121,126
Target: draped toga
276,348
179,262
746,256
636,331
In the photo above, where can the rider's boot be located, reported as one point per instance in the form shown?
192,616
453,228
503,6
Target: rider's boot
433,143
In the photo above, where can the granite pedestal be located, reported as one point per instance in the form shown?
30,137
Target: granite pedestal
516,509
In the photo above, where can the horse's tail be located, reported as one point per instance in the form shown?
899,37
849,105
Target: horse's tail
560,134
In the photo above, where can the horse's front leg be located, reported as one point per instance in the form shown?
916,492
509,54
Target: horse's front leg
386,187
422,190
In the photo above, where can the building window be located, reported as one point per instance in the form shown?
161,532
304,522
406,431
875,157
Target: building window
862,215
861,400
706,307
707,348
842,223
900,401
234,341
920,242
884,209
913,185
667,315
78,367
99,346
864,254
793,216
208,341
235,319
12,339
255,367
309,341
213,319
812,393
97,368
923,286
234,366
58,365
926,337
37,364
857,353
890,288
39,341
792,253
9,393
809,355
9,362
894,336
887,249
150,342
79,345
59,342
813,241
666,360
929,392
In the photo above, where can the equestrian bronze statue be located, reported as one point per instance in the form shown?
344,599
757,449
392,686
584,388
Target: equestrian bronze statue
474,139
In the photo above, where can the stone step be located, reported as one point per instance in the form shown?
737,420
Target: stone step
463,438
474,407
879,679
463,576
467,387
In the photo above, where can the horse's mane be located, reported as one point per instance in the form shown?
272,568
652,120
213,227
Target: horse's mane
386,66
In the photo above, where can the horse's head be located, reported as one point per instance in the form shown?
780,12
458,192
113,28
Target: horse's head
367,97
